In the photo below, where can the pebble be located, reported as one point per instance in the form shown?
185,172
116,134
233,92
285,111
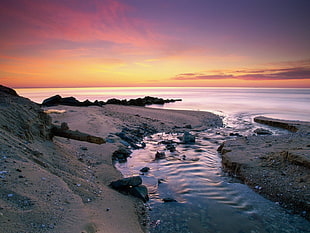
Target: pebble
145,169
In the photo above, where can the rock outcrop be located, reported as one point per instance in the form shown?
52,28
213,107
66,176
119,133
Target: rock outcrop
71,101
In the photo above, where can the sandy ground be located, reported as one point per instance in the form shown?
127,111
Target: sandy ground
278,167
61,185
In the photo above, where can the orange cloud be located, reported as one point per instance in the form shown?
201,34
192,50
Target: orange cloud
291,73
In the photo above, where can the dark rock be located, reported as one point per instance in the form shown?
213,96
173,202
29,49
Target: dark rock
126,183
261,131
70,101
159,181
188,138
140,192
160,155
8,90
292,126
170,147
115,101
121,154
64,126
167,142
169,199
145,169
235,135
220,147
52,101
83,148
188,126
148,100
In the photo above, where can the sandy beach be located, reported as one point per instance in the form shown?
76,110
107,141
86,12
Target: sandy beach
55,184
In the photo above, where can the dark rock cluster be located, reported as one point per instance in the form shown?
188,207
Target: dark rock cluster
71,101
131,185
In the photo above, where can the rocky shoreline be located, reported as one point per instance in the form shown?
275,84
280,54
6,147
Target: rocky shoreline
276,166
54,180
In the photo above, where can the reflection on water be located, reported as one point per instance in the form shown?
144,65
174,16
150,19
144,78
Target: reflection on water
207,200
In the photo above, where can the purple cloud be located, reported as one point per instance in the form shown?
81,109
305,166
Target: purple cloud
263,74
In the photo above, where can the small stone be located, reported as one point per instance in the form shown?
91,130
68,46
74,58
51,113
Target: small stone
10,195
188,138
160,155
126,183
140,192
145,169
169,199
83,148
108,209
159,181
261,131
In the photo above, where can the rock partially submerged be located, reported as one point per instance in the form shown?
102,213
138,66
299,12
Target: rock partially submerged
292,126
121,154
71,101
160,155
132,185
262,131
188,138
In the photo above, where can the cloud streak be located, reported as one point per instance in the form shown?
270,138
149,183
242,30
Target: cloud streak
294,73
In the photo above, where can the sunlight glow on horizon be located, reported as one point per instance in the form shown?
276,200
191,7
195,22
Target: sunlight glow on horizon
116,43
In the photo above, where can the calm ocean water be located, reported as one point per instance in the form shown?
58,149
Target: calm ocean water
290,104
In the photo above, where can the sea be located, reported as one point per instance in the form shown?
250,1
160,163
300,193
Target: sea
284,103
206,198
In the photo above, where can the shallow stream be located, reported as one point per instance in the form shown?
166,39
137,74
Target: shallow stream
206,199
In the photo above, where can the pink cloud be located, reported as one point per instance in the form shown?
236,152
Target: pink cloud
30,22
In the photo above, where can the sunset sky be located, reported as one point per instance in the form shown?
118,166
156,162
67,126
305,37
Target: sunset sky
79,43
